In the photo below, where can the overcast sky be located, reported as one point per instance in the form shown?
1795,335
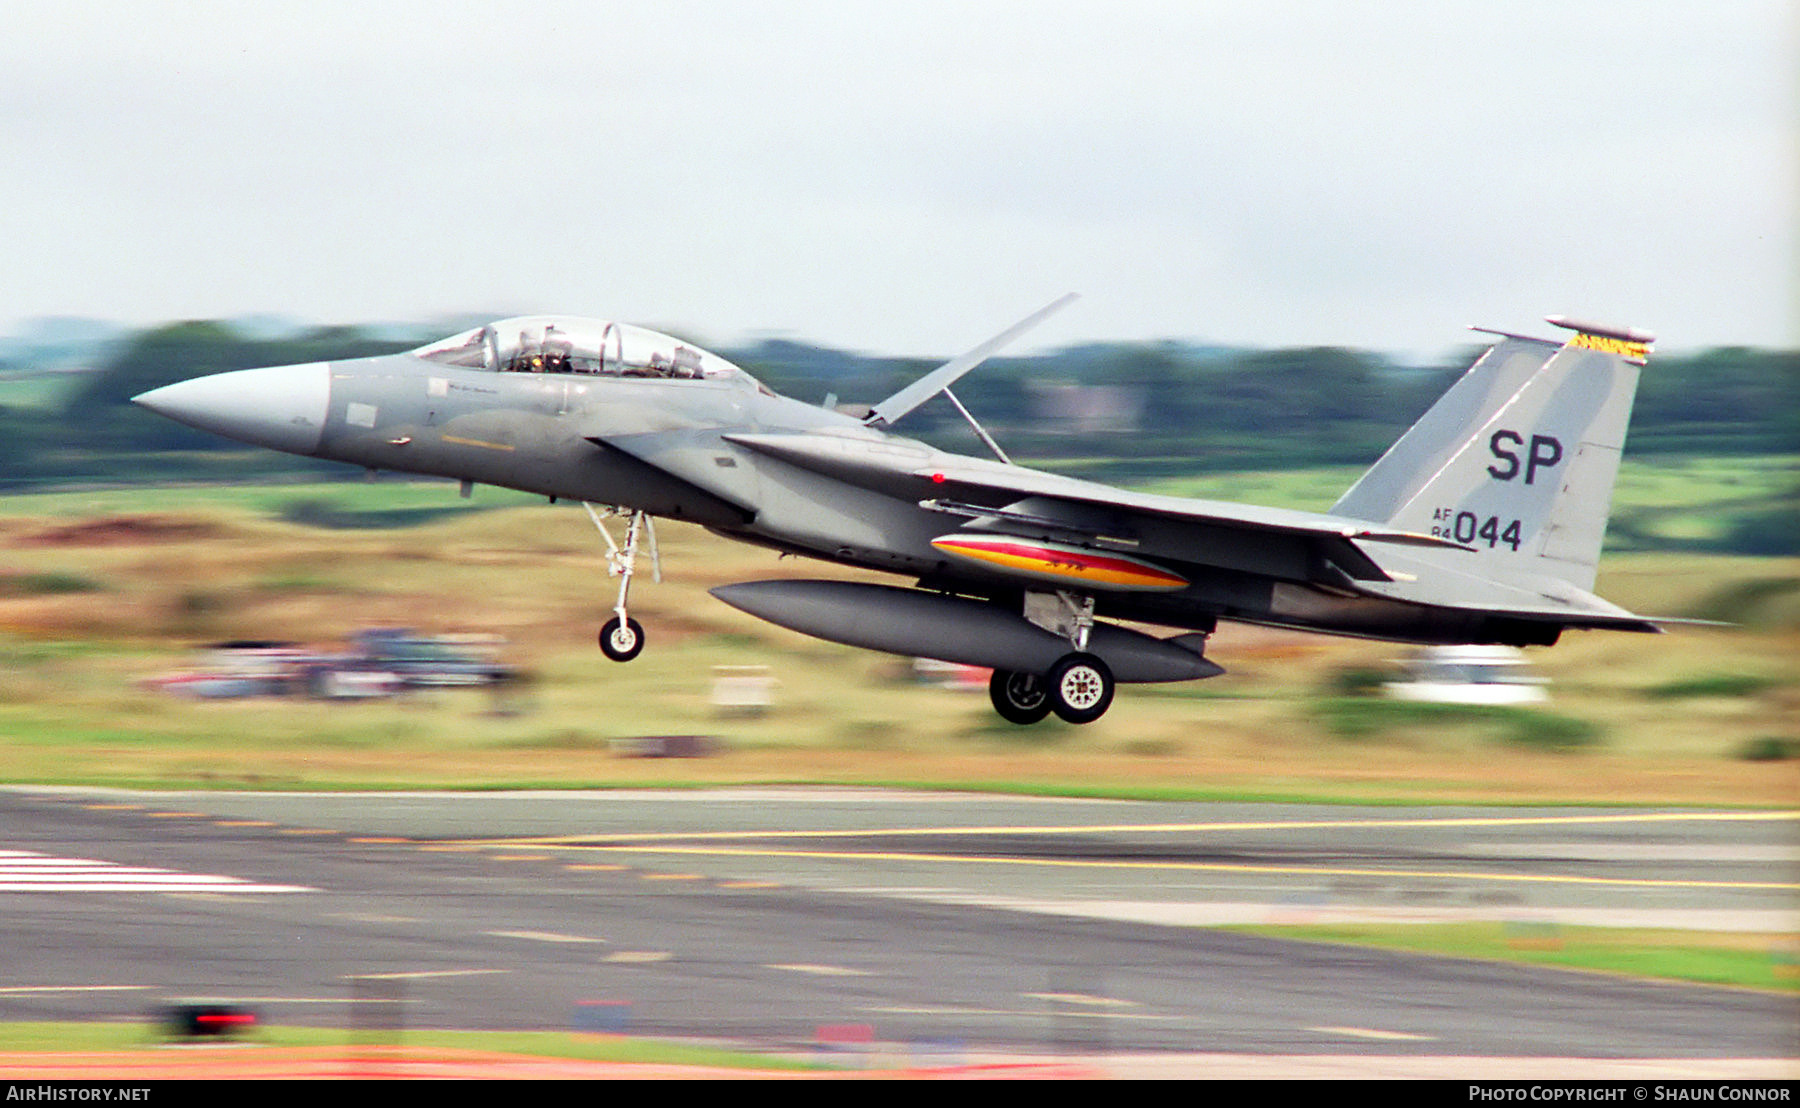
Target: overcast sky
909,178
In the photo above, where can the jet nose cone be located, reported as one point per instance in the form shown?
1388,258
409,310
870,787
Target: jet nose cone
283,407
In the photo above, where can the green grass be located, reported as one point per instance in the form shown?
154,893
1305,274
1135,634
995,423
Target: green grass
50,583
1745,603
1770,748
1356,717
1716,684
417,498
79,1037
1678,503
41,391
1709,958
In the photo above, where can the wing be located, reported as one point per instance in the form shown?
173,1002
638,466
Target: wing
1299,546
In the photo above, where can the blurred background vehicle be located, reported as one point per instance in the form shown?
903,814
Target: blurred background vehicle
1469,675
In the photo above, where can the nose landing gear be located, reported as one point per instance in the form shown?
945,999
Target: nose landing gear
621,640
621,637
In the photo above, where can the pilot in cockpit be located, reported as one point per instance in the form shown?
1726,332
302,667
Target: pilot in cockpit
558,351
528,359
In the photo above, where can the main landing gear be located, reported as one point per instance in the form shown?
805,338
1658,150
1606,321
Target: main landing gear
621,637
1078,688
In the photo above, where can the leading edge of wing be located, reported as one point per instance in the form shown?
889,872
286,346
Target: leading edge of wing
914,471
1018,481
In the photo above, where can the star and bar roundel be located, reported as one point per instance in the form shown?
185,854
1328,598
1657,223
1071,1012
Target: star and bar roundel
1060,563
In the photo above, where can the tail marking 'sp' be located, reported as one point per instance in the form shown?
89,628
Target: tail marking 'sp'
1518,459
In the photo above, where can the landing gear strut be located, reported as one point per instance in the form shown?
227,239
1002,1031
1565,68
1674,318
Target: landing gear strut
621,637
1078,688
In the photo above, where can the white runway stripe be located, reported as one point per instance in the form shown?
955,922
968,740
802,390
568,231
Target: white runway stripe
25,871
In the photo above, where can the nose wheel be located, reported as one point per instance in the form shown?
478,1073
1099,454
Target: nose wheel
621,637
621,640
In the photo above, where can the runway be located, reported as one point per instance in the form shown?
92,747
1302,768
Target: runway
949,923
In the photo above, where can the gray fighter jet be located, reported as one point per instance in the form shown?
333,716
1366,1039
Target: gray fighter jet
1482,524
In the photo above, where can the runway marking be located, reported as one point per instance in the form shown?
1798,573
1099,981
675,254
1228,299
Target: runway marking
605,867
408,976
367,839
1751,853
520,857
243,823
1210,867
674,876
749,885
21,990
1373,1033
1017,1013
1083,999
307,831
543,937
821,971
177,815
637,957
1117,828
26,871
359,1000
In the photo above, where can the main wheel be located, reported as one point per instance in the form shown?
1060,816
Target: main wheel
621,641
1081,688
1020,698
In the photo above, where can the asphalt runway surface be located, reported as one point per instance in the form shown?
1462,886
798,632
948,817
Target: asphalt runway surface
941,925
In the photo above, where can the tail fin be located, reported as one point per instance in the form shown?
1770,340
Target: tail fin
1476,396
1518,459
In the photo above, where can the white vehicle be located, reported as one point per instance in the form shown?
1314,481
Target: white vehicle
1469,675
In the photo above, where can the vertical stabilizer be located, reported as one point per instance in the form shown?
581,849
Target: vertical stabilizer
1528,481
1474,399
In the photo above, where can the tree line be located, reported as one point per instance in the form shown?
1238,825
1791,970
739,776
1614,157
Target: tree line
1145,408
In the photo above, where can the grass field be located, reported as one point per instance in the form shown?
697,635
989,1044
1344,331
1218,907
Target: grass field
1757,961
139,1053
1662,502
102,590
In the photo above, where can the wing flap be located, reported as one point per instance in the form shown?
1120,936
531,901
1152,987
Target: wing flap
966,486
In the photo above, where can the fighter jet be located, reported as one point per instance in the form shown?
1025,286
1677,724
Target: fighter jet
1482,524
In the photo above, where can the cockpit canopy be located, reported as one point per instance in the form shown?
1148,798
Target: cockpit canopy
566,344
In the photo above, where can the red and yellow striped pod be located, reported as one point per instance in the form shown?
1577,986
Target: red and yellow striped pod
1060,563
